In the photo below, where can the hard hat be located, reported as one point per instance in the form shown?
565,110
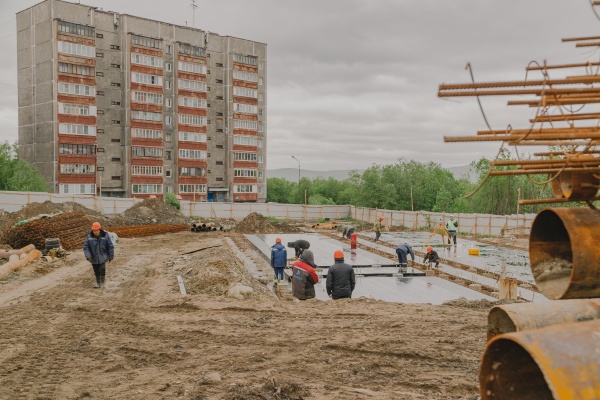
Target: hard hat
338,255
278,240
96,226
429,248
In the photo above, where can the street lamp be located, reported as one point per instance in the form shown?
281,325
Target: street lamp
298,169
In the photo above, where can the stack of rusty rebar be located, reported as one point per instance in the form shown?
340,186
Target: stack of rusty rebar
70,228
561,121
146,230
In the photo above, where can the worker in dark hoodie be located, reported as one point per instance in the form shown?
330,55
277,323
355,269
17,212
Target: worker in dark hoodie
304,276
98,249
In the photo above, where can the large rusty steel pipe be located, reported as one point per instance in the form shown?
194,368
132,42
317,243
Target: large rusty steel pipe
558,362
509,318
564,252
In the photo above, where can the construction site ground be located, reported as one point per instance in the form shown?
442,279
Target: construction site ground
140,338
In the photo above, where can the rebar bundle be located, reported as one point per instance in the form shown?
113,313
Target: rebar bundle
70,228
146,230
573,167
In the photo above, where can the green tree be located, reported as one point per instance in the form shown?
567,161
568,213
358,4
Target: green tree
280,190
171,200
17,174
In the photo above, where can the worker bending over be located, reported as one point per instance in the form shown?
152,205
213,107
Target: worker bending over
347,230
299,246
403,250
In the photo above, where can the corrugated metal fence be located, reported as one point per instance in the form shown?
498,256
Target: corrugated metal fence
480,224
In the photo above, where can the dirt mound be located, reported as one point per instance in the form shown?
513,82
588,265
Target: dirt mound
7,220
149,211
255,223
214,270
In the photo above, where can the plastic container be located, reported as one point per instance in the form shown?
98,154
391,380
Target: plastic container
474,251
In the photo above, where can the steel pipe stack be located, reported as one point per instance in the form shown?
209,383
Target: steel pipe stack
551,350
146,230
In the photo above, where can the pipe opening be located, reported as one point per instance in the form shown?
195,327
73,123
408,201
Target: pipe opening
550,254
509,372
499,322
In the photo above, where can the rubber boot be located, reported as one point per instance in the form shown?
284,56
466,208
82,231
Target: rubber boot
101,281
97,285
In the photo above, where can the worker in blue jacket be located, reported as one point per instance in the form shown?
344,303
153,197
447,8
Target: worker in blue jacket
278,260
98,249
403,250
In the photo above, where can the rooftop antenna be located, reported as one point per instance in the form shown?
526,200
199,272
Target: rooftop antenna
194,6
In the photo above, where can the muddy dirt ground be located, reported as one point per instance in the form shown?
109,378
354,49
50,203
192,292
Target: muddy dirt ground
139,338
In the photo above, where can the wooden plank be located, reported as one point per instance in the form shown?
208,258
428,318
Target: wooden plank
181,286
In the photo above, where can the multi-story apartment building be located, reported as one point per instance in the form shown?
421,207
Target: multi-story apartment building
118,105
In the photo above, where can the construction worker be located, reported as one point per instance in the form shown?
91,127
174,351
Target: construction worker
278,260
299,246
432,256
98,249
347,230
451,227
403,250
378,224
304,276
340,281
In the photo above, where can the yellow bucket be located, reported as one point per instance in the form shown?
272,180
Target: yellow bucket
474,251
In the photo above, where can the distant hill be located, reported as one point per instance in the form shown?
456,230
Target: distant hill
291,174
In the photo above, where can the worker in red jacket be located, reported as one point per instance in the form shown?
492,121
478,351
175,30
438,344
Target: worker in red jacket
304,276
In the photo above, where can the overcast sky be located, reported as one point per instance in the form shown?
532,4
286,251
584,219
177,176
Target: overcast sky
354,83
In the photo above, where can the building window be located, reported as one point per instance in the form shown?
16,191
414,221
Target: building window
260,143
218,98
146,170
169,103
244,188
153,152
115,84
79,149
99,73
260,112
260,174
100,93
168,67
76,109
220,65
115,140
75,129
168,120
169,49
115,47
244,92
219,146
191,102
77,188
146,79
245,173
100,55
260,190
192,188
260,81
145,97
146,133
219,81
149,61
168,155
245,140
245,59
260,126
145,41
167,173
99,35
219,163
146,116
115,178
100,168
245,124
194,120
115,65
168,137
115,103
192,137
261,66
67,68
100,130
245,76
191,67
261,159
146,189
116,122
192,50
261,97
192,171
192,154
79,90
197,86
244,156
77,29
116,159
245,108
167,84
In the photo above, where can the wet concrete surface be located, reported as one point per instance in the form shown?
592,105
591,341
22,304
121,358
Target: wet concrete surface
491,257
428,289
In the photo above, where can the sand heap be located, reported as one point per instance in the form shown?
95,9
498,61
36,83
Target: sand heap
255,223
149,211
